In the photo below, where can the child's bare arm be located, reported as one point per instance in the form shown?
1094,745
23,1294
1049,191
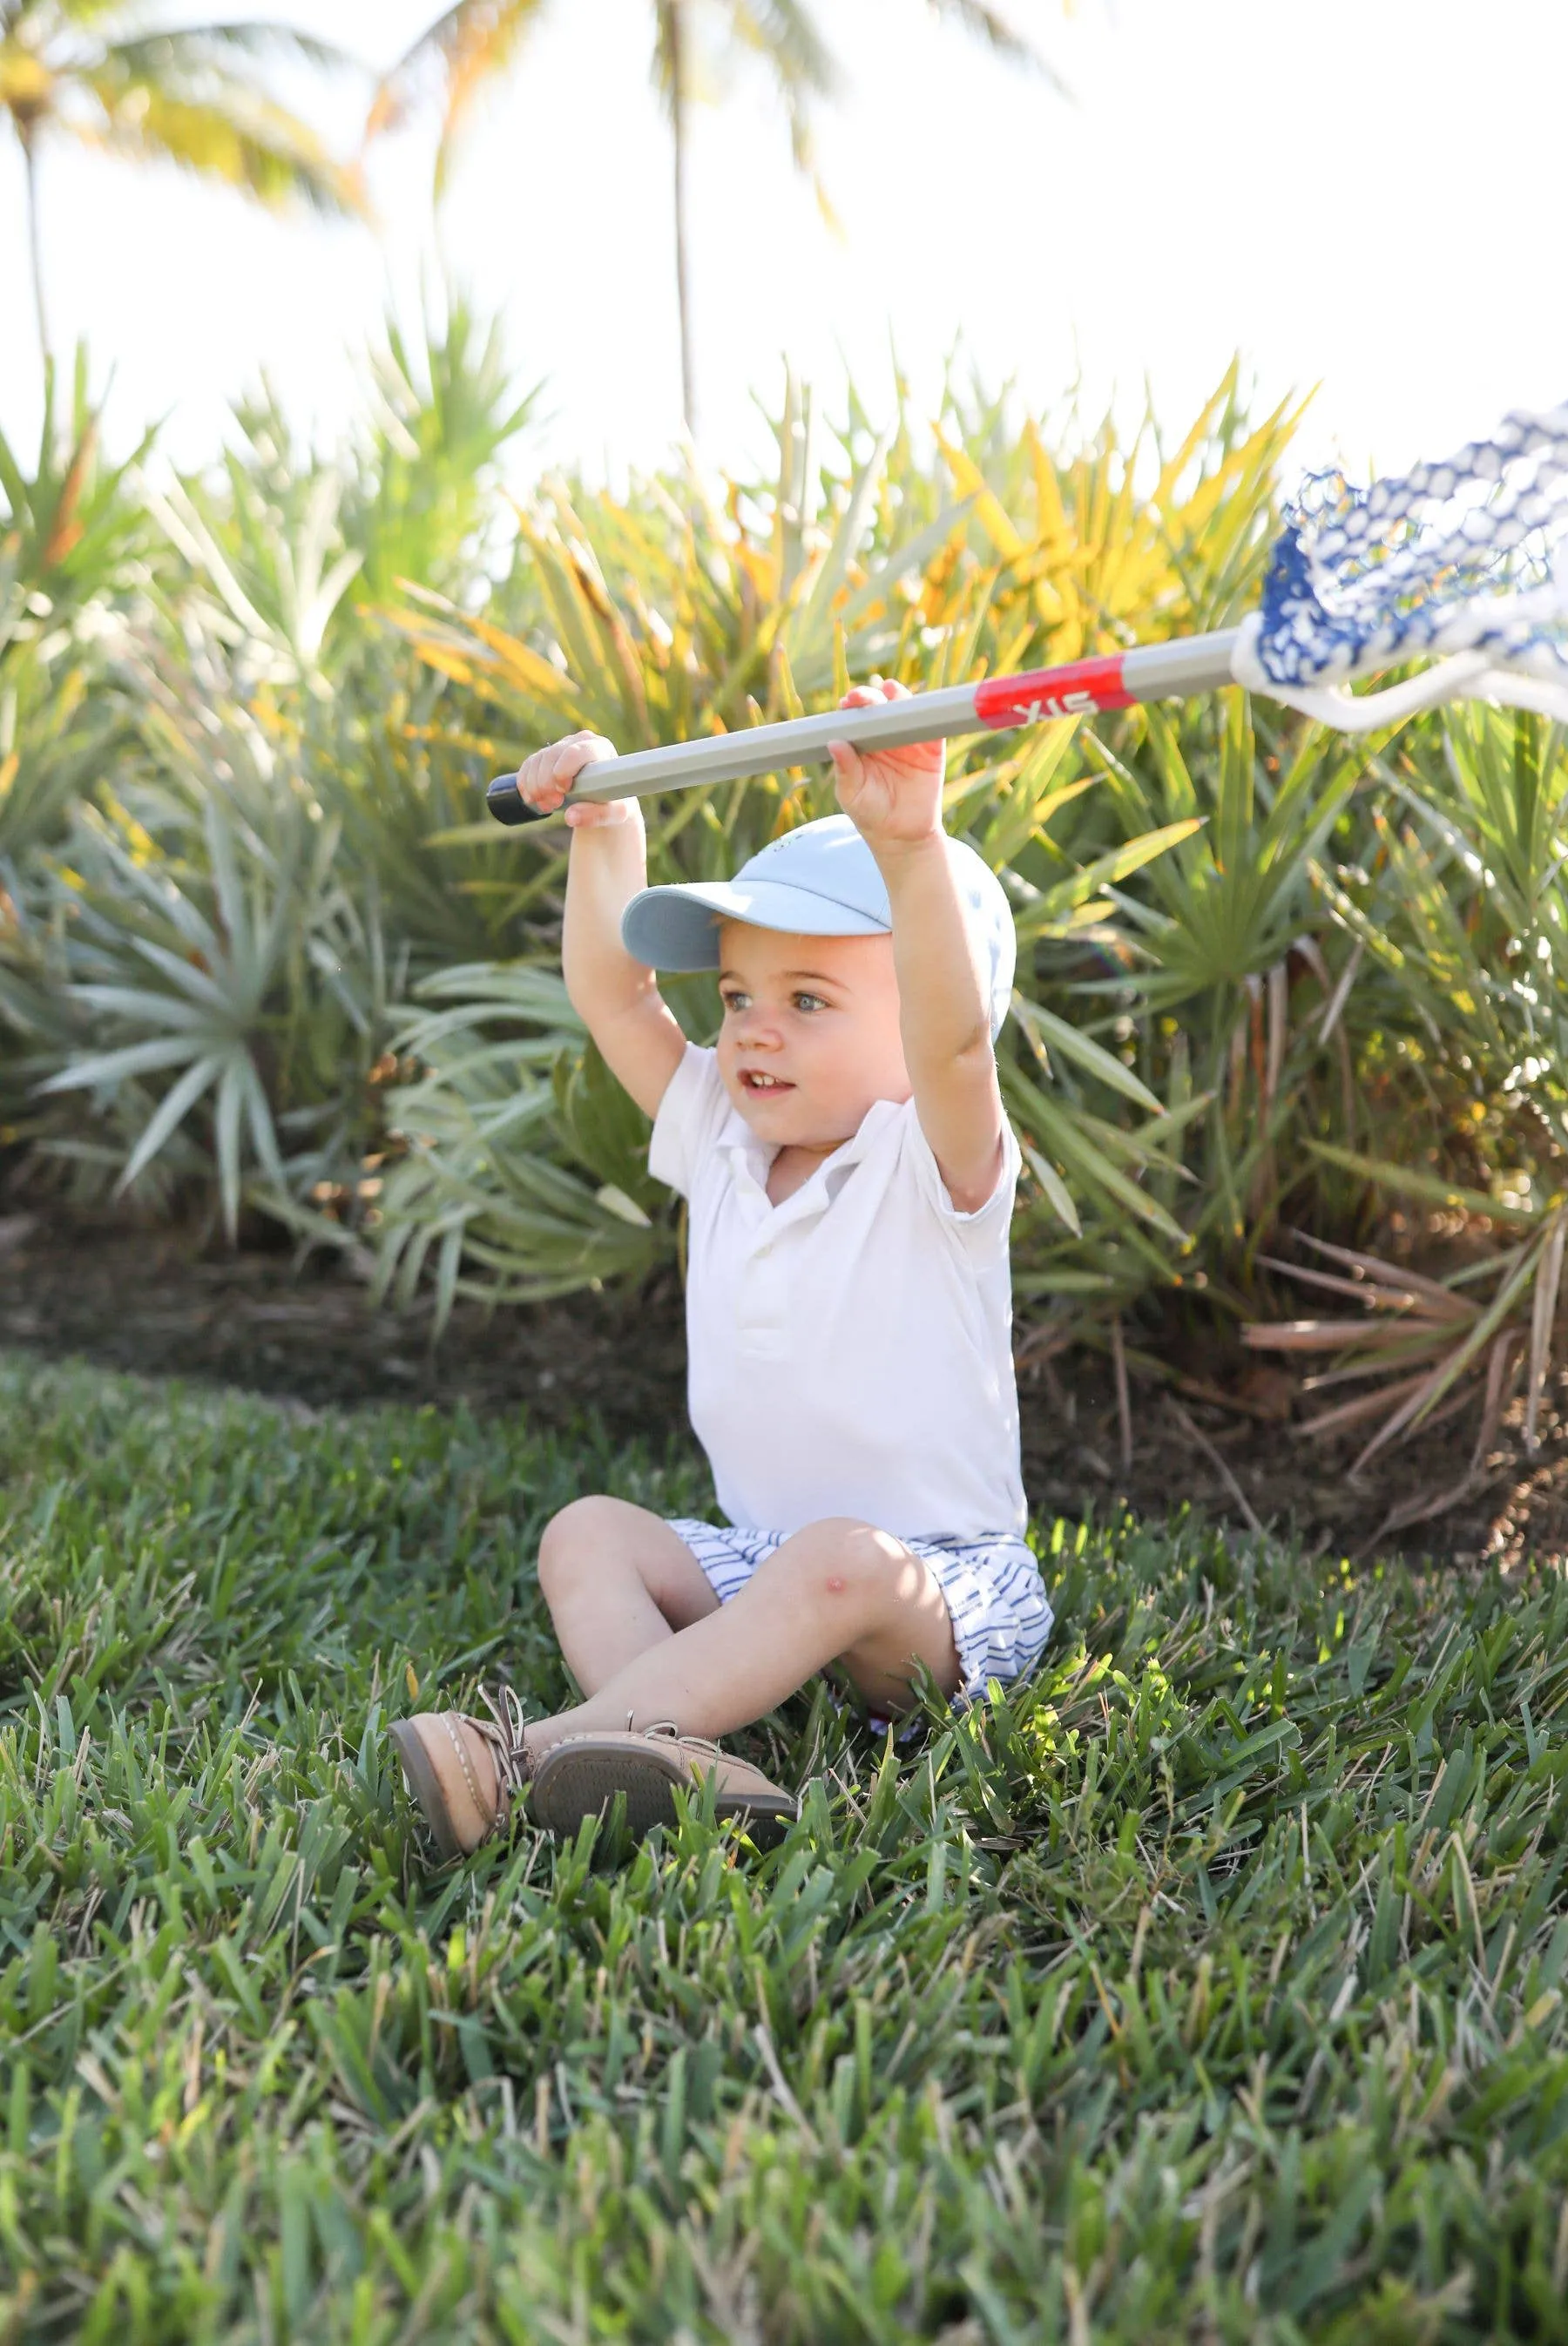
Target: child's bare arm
894,800
615,997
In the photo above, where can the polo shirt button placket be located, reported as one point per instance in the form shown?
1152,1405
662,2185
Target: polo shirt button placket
762,1306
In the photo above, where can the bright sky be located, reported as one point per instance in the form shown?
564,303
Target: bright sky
1364,194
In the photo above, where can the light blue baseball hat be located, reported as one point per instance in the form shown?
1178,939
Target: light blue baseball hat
819,880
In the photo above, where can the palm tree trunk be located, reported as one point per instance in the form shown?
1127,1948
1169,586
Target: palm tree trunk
682,256
34,251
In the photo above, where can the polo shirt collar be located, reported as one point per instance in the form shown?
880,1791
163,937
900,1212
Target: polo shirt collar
750,1159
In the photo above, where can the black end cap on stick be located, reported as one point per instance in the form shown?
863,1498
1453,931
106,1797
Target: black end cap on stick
507,804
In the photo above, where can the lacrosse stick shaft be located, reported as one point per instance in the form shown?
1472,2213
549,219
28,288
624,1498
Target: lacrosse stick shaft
1192,664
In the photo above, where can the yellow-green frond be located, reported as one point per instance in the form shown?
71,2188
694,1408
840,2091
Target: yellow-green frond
231,134
472,42
989,25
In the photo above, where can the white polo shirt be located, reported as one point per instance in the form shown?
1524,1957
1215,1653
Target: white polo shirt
851,1350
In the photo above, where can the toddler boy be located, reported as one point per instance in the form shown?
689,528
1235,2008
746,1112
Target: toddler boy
850,1177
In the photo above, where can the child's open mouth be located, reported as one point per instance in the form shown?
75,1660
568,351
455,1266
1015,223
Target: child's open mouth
752,1079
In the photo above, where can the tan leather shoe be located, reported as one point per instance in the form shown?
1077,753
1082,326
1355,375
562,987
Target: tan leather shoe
444,1755
580,1776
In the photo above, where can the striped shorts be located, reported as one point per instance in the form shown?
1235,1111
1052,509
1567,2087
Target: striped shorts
996,1597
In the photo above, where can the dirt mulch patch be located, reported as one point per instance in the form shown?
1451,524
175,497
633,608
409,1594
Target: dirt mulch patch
1227,1441
153,1302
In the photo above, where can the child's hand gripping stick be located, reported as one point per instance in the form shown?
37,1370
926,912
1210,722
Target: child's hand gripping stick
545,783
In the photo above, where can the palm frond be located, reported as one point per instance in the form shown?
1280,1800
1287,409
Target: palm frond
228,132
187,48
786,36
470,43
778,34
73,12
989,25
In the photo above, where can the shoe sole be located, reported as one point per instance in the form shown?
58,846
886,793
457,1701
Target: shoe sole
568,1785
425,1785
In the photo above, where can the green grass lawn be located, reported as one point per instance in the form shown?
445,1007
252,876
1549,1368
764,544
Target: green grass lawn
1210,1989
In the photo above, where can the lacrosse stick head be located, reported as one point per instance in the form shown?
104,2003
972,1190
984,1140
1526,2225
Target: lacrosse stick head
1463,564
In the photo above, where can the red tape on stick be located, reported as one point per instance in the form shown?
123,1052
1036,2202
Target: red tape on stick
1077,689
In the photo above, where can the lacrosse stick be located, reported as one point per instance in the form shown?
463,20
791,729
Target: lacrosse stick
1456,564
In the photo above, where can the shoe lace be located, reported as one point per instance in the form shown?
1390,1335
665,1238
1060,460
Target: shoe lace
503,1732
669,1729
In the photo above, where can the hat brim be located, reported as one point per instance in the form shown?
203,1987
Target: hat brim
677,927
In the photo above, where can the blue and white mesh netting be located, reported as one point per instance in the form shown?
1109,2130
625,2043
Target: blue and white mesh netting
1465,557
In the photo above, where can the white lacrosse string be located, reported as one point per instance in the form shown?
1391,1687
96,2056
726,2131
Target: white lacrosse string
1463,676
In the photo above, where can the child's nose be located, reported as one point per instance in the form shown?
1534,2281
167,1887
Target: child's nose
759,1027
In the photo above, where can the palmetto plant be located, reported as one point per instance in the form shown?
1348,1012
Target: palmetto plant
228,996
695,44
196,980
1429,1344
421,502
61,725
75,557
652,618
1460,930
279,547
1103,540
74,531
511,1110
96,73
76,551
1227,930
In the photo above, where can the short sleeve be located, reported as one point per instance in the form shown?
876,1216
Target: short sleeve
985,1233
690,1118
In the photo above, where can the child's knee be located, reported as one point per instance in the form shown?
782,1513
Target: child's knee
572,1539
850,1568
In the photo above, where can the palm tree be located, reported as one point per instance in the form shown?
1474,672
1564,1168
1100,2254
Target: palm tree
98,73
474,40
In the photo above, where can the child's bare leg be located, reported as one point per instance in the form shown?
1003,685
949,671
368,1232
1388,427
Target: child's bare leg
837,1591
618,1581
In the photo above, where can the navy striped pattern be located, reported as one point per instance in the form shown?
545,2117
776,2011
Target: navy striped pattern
1001,1615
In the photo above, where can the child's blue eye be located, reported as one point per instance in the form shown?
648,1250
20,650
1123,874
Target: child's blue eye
809,1002
735,1000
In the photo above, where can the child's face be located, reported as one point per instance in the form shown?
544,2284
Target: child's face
810,1035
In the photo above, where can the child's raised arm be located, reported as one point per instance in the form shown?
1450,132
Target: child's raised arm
894,798
615,997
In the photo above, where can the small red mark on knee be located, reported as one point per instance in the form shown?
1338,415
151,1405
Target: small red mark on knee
835,1585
